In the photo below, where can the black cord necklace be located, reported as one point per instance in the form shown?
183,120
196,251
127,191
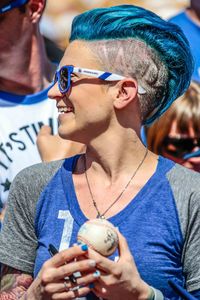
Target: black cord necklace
102,215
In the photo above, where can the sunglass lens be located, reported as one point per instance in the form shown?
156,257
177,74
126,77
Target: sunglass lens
63,79
188,144
181,145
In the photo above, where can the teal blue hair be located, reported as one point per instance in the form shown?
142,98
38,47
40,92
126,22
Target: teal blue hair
128,21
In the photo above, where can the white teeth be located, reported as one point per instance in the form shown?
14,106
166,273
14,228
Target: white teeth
65,109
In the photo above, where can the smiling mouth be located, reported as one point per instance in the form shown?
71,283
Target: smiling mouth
65,109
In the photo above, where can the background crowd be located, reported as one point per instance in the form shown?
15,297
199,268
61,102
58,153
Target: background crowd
59,14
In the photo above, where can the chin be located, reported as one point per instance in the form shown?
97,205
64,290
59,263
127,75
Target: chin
64,135
70,135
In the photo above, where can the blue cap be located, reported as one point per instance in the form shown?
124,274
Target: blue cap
13,4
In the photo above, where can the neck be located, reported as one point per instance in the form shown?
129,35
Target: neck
25,68
116,154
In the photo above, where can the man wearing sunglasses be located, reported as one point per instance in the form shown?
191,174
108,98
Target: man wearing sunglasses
123,68
25,75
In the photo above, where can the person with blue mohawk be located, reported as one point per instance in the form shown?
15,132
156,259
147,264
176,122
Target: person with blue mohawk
123,68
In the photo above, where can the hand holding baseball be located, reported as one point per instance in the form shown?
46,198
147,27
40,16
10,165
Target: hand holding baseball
54,278
119,280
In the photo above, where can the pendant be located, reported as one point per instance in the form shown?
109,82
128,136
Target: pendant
100,216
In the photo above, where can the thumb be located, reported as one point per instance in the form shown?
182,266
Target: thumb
123,246
45,130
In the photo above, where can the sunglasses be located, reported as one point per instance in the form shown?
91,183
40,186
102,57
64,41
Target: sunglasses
63,77
13,4
182,146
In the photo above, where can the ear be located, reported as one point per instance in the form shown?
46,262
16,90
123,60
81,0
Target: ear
36,8
126,92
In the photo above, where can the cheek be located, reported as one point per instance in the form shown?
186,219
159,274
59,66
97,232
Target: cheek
91,104
93,114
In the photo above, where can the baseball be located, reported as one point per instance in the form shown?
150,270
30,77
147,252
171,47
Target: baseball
100,235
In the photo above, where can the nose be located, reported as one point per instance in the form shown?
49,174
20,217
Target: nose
54,93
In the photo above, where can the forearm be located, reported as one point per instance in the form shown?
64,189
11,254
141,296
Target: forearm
14,284
33,292
22,293
13,294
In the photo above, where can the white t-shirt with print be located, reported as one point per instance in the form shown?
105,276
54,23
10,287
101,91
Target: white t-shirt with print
21,118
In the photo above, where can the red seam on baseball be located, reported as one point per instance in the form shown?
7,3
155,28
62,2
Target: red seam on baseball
86,242
102,225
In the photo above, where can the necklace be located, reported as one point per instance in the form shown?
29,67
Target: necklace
102,215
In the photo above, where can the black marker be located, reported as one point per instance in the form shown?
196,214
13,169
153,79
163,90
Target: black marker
53,251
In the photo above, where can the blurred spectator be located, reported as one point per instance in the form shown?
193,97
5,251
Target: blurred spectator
25,73
176,135
189,21
25,76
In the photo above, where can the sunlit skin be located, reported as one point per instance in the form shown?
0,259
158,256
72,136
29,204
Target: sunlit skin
87,108
92,99
191,163
25,68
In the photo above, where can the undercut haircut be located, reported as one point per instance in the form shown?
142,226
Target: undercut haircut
132,41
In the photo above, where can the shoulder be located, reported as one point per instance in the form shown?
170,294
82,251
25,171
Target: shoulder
185,178
185,186
29,183
39,171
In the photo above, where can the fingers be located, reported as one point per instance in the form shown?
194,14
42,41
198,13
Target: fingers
102,262
73,294
66,256
45,130
106,264
63,285
55,274
64,289
100,291
123,246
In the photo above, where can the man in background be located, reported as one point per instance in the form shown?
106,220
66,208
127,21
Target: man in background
25,76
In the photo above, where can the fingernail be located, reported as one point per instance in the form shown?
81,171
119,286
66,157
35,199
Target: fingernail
92,263
96,274
91,285
84,247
